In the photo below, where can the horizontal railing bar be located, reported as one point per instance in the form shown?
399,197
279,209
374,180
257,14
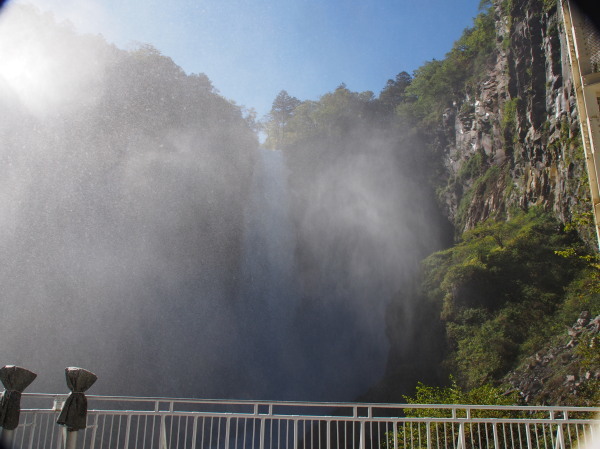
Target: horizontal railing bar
406,419
319,404
322,418
336,418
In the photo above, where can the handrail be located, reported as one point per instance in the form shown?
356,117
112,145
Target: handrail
130,422
358,405
333,411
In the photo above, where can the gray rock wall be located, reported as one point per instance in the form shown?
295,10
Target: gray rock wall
514,143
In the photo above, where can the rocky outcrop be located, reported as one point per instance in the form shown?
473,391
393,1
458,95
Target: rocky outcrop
514,142
566,371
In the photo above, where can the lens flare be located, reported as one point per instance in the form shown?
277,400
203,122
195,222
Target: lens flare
46,72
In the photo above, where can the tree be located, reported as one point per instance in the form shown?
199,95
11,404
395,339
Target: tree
283,107
282,111
394,91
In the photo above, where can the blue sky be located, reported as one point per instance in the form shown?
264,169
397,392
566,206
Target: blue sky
252,49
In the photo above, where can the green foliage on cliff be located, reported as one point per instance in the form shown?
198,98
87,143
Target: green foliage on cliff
481,188
331,117
438,83
418,101
473,167
503,290
508,123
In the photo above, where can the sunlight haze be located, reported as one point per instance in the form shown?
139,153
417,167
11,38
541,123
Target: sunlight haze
251,50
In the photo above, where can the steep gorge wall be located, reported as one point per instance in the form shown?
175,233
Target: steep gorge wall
515,142
510,141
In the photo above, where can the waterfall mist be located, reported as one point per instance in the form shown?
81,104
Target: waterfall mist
147,238
124,182
363,213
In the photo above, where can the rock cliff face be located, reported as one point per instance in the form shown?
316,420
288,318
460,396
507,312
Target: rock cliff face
510,142
515,143
565,369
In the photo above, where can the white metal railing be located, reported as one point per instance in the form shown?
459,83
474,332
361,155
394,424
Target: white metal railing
167,423
583,48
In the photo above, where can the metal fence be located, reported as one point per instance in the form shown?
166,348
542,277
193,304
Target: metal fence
591,41
164,423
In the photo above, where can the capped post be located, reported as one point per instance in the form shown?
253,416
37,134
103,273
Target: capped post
15,379
74,412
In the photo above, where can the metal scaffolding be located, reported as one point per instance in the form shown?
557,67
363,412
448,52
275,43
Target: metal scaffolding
583,40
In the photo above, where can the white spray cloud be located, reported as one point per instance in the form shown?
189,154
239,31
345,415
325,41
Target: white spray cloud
87,16
591,439
105,218
46,73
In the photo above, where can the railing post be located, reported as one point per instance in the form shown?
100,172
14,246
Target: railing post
6,438
127,432
328,434
59,440
163,433
194,432
33,430
462,443
428,428
528,434
73,415
70,438
362,440
227,432
560,437
262,434
15,379
496,442
295,434
94,431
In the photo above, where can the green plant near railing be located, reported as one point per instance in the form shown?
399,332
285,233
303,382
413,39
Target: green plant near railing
416,435
411,435
454,394
421,435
